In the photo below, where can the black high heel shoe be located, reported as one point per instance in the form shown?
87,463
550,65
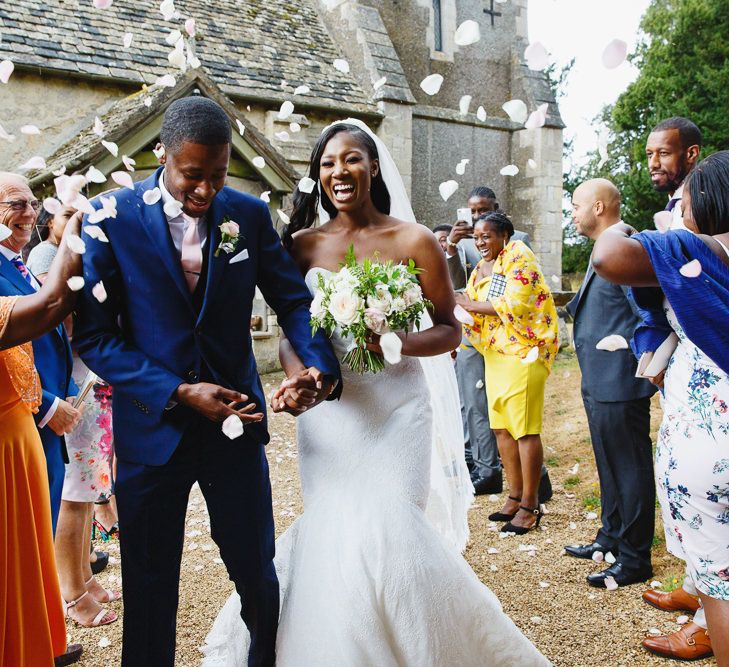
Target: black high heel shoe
518,530
500,516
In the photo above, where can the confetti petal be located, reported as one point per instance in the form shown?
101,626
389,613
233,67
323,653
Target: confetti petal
190,27
284,218
302,90
691,269
575,469
614,54
266,196
99,292
591,516
379,83
30,130
6,69
129,163
127,39
233,427
36,162
341,65
104,642
306,184
287,108
462,315
258,162
537,118
467,33
516,110
80,203
282,136
168,9
99,127
532,164
4,134
598,556
509,170
531,356
611,584
159,152
172,208
656,584
464,103
461,166
294,127
151,197
536,56
536,620
76,244
111,147
612,343
96,233
682,620
479,384
662,220
176,57
123,178
391,347
52,205
431,84
610,558
75,283
93,175
481,114
166,81
447,188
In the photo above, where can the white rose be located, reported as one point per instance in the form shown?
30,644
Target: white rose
382,300
345,307
317,309
345,279
398,304
375,320
413,294
230,228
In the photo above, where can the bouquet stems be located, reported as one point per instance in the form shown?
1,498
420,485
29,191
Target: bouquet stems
361,360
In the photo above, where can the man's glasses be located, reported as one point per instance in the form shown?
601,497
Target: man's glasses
20,204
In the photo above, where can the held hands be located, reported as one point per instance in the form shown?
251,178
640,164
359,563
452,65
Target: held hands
217,403
301,391
65,418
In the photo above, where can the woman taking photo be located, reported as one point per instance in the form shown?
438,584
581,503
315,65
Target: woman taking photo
515,328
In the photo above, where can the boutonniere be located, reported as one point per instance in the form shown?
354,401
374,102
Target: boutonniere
230,232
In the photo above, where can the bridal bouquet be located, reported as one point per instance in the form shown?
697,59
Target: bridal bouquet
368,299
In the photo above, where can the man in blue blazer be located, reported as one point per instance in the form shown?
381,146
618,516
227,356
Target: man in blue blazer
172,336
56,416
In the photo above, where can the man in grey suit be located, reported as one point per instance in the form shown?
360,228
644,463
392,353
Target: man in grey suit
617,405
482,453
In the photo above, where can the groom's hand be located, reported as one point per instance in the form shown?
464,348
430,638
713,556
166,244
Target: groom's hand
217,403
302,391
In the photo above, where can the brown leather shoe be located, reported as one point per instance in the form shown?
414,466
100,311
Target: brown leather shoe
678,600
72,655
690,643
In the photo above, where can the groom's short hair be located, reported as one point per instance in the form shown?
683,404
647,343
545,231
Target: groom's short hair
197,120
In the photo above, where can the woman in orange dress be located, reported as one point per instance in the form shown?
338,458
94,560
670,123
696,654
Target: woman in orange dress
32,626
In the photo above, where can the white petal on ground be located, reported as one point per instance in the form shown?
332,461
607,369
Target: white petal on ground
598,556
467,33
282,136
5,135
691,269
516,110
127,39
379,83
572,525
104,642
537,118
462,315
294,127
284,218
611,584
509,170
36,162
166,81
75,283
591,516
609,558
76,244
481,114
99,127
662,220
129,162
99,292
122,178
682,620
151,197
233,427
612,343
536,56
431,84
391,347
241,127
93,175
536,620
306,184
6,69
655,632
147,101
575,469
111,147
341,65
266,196
190,27
258,162
287,108
168,9
302,90
96,233
614,54
493,550
172,208
447,188
656,584
543,584
461,166
532,164
464,103
52,205
30,129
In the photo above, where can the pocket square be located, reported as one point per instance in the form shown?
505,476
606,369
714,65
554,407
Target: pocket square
243,254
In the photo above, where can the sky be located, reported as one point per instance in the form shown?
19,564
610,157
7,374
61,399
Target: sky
581,29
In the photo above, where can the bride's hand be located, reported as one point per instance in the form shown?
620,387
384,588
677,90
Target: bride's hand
301,391
373,342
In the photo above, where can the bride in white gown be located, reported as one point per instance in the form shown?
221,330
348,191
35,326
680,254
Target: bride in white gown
371,573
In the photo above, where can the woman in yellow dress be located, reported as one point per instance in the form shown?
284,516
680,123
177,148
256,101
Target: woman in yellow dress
32,626
515,328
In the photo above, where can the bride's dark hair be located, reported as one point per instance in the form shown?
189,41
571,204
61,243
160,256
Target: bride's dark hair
306,204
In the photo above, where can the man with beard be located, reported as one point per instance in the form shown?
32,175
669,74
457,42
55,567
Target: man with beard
672,150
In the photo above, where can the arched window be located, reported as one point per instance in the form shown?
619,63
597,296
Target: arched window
437,26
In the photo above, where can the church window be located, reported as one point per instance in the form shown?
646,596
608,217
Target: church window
437,26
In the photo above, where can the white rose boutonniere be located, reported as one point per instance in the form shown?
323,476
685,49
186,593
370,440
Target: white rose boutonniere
230,232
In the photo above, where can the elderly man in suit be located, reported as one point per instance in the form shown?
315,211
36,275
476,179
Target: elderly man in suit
56,416
617,405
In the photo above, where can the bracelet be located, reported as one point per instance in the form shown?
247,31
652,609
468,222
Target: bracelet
450,243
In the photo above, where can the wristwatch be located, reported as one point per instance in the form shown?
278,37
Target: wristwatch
450,243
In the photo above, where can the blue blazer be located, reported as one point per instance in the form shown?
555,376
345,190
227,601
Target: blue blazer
147,337
52,353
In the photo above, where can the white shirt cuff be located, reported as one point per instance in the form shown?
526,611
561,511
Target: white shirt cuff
50,413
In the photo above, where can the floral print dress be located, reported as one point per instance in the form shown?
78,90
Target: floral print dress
692,464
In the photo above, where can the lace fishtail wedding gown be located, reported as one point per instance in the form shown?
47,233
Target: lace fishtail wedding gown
366,580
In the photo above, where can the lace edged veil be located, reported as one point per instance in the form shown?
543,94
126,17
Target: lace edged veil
451,491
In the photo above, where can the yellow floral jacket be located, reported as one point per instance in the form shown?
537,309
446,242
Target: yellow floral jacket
526,316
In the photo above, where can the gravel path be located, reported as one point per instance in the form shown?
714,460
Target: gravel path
540,588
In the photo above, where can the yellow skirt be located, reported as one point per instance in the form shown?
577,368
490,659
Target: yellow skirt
515,393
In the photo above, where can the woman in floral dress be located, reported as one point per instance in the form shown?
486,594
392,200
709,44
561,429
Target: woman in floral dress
692,457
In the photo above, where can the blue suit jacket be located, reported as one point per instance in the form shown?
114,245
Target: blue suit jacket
52,354
147,337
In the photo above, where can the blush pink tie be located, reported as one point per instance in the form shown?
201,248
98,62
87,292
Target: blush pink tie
191,258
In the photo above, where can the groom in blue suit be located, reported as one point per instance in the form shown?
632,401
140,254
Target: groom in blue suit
180,268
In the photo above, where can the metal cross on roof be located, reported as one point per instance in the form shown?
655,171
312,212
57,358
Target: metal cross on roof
492,12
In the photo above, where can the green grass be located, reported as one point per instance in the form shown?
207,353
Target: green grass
571,482
673,580
552,461
591,501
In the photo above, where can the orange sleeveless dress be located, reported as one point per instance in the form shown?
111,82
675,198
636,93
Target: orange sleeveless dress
32,626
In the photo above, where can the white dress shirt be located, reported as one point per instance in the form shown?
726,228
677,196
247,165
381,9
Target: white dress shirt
178,225
677,212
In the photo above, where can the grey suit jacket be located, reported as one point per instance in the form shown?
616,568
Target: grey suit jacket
464,261
600,309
